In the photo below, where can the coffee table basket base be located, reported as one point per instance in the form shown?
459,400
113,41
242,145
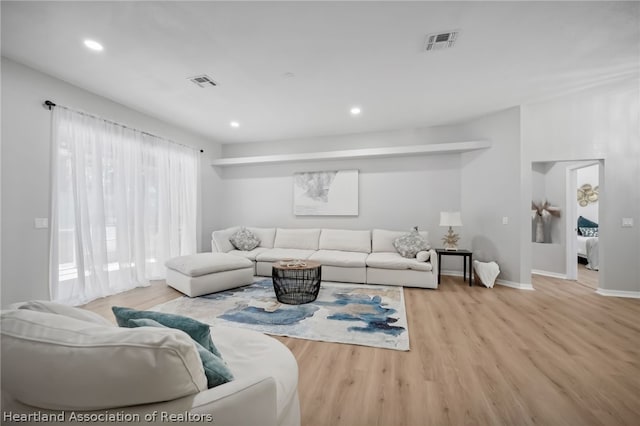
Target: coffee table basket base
295,287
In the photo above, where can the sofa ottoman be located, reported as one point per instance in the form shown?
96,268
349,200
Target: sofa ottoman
204,273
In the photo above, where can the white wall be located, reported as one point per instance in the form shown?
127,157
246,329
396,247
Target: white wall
394,193
591,176
491,191
538,184
596,123
550,257
25,171
549,185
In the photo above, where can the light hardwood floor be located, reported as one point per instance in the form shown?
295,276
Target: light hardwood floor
587,276
559,355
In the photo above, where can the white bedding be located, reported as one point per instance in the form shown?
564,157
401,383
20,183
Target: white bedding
588,248
582,246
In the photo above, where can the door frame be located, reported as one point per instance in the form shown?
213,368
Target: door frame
571,216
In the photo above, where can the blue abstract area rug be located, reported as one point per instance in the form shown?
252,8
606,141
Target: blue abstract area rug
356,314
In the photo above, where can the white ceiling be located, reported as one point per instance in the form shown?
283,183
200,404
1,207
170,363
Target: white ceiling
341,53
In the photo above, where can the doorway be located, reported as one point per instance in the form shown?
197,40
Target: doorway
574,189
584,190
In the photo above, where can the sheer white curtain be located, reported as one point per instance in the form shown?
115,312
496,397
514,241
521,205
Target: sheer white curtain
123,202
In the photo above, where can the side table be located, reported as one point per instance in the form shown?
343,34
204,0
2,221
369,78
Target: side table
466,254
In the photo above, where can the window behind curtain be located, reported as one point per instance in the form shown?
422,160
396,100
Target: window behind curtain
123,202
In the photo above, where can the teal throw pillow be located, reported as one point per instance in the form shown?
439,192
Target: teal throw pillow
215,368
583,222
199,331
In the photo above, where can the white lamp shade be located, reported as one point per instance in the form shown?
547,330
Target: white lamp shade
450,219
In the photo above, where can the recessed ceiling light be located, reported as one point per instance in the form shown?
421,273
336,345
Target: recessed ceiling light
93,45
234,124
355,111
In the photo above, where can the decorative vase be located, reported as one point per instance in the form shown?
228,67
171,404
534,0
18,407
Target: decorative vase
539,231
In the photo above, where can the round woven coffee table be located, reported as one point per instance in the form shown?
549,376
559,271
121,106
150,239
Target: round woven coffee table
296,281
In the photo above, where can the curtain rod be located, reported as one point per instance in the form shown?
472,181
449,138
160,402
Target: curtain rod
50,105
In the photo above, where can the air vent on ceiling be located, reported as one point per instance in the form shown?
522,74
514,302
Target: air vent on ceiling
439,41
203,81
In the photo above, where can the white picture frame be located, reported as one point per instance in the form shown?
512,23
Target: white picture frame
326,193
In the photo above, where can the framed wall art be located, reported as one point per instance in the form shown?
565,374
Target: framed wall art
326,193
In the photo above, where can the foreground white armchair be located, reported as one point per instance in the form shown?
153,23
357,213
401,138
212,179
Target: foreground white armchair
77,368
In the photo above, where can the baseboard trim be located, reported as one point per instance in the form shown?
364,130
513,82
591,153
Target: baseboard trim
451,273
519,286
549,274
618,293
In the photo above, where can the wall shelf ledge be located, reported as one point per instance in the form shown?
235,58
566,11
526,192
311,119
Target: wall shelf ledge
399,151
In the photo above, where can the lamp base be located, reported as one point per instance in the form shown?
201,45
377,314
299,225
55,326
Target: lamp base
450,240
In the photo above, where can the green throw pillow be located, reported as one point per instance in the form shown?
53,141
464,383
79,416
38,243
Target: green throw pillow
198,331
214,366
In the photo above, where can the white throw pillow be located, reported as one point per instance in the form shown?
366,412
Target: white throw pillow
423,256
55,362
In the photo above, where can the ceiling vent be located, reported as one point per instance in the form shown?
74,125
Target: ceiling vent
439,41
203,81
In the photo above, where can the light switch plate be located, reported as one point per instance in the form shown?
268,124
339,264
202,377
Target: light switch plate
41,222
505,220
627,222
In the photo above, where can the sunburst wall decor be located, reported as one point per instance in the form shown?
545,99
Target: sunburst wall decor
587,195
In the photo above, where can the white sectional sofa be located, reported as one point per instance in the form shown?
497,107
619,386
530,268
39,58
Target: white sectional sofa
356,256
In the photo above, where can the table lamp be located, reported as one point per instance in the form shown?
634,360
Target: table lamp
450,219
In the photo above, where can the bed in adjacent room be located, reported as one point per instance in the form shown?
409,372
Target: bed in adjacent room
588,246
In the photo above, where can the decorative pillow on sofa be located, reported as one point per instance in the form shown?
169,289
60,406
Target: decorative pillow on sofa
244,240
589,232
423,256
215,368
198,331
410,244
